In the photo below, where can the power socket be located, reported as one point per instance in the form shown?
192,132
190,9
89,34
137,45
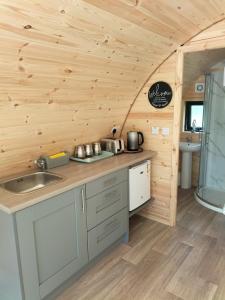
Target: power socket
155,130
114,130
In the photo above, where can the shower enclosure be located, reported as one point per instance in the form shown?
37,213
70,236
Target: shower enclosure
211,187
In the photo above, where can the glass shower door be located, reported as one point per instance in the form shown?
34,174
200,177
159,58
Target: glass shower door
211,186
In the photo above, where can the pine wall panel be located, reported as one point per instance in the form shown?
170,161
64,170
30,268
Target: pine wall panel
71,69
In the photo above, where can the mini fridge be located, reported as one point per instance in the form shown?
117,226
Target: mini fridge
139,185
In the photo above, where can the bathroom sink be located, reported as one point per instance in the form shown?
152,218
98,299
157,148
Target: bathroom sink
190,147
30,182
187,149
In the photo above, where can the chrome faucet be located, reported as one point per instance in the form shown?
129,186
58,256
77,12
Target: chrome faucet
40,163
193,126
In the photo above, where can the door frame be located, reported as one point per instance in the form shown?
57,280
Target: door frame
192,47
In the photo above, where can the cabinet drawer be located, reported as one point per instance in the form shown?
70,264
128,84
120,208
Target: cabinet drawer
105,234
105,182
106,204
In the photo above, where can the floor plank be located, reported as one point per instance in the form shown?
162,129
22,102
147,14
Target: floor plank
162,263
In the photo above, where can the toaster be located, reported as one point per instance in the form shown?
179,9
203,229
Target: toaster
115,146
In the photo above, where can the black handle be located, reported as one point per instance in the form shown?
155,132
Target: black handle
140,134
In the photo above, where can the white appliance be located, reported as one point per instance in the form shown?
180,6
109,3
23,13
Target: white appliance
139,185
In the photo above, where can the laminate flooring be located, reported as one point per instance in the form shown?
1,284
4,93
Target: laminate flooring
162,263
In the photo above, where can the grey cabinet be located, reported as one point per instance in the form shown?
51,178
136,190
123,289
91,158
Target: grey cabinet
107,211
105,234
47,243
52,237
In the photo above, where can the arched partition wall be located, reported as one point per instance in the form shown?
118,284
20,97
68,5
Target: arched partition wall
143,117
70,70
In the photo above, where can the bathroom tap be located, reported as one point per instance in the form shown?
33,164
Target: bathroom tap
193,126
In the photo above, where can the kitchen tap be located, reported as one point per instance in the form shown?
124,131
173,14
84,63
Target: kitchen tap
40,163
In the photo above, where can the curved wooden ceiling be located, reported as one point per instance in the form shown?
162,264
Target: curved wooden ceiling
71,69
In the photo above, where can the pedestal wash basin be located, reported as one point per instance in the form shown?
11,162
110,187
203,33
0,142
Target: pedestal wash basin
187,149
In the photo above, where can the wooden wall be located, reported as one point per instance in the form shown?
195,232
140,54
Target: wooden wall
142,117
67,76
71,69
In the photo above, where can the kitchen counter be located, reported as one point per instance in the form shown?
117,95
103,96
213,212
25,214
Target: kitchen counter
74,174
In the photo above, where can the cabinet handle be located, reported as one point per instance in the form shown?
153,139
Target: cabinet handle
110,182
109,200
83,200
109,229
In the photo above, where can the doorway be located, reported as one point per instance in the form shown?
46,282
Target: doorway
202,122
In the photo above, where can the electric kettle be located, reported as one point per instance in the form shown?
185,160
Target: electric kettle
134,140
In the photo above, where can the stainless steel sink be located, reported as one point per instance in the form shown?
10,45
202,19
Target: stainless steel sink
30,182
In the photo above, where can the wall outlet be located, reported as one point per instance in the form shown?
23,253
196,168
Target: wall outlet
114,130
165,131
155,130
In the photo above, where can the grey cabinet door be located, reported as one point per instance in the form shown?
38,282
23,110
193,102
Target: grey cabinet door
52,238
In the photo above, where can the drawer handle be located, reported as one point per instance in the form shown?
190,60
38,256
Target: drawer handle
109,200
106,205
111,194
110,181
109,229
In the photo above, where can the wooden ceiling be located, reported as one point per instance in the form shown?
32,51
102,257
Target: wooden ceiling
70,69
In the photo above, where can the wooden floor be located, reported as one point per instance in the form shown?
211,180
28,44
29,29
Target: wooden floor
184,262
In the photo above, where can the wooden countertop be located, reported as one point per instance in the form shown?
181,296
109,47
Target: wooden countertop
74,174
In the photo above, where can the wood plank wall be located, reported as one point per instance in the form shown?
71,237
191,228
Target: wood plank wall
68,75
71,69
143,117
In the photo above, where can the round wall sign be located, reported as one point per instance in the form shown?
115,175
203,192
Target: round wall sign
160,94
